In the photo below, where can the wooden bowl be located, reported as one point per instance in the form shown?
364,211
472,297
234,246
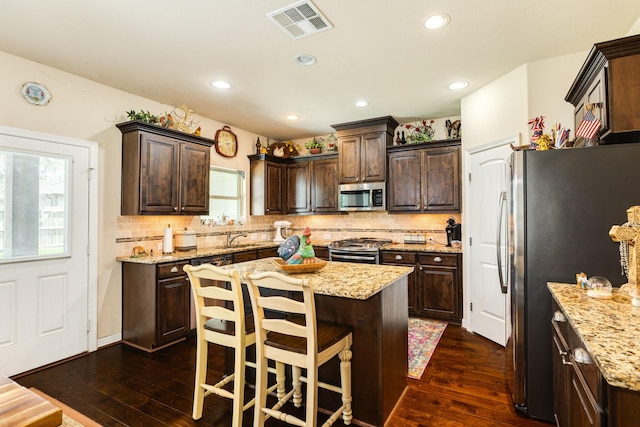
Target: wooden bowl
300,268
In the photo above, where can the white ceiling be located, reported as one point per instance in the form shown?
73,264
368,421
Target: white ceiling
378,50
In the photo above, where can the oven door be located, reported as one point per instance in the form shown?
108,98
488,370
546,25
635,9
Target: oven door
362,257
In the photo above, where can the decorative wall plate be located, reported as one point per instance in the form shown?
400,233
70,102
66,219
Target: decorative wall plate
36,93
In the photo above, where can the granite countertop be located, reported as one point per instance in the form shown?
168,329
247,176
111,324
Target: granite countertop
427,247
266,244
339,279
609,328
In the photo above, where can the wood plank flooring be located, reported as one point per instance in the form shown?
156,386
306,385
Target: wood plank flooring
463,385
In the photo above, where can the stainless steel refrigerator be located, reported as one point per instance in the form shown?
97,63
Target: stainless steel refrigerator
561,205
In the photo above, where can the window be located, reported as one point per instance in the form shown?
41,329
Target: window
34,211
226,195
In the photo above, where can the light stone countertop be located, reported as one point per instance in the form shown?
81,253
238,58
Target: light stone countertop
609,328
266,244
339,279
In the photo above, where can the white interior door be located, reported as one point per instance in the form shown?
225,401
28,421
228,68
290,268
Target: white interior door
45,251
489,315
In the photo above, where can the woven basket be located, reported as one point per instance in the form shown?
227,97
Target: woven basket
300,268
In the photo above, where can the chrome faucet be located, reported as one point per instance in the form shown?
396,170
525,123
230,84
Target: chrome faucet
231,239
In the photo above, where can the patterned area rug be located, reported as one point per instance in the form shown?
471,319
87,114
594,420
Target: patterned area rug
424,335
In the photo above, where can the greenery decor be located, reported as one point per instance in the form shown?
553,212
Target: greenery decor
421,132
314,143
143,116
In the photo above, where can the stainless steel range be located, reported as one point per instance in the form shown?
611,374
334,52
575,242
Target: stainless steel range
365,250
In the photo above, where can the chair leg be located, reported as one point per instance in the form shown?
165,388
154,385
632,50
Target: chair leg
312,396
296,373
280,380
238,386
201,377
345,384
261,389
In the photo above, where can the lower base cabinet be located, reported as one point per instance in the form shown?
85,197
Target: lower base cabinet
582,397
155,304
435,287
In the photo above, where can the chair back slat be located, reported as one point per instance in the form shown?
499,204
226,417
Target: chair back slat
283,304
215,292
285,327
219,312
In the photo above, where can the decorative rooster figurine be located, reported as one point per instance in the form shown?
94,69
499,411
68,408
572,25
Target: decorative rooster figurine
305,254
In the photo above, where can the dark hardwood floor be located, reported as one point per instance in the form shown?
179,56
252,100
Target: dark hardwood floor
463,385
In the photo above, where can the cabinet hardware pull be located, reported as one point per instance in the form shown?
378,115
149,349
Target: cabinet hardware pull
558,316
564,361
580,355
174,269
175,208
182,208
398,257
437,259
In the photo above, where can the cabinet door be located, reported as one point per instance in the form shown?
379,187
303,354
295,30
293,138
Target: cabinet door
349,159
324,186
403,185
275,179
299,187
561,407
194,179
373,166
438,287
584,409
441,179
158,175
406,259
596,99
172,314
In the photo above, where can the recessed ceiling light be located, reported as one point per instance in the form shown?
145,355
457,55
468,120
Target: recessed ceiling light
292,117
305,59
436,21
361,103
458,85
220,84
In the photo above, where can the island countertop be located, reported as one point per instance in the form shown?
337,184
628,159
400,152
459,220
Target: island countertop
338,279
609,328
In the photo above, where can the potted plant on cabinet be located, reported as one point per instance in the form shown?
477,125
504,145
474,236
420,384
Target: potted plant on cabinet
314,146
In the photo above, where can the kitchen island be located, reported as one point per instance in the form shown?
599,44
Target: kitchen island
373,300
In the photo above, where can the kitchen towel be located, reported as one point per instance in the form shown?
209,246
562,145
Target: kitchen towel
167,242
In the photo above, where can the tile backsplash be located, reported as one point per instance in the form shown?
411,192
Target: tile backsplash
147,231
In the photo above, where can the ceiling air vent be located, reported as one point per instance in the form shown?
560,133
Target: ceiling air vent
300,19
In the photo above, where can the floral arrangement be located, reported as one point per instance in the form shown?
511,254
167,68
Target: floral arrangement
143,116
421,132
314,143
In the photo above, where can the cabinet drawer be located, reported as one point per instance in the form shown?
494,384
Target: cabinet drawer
585,366
438,259
171,269
398,257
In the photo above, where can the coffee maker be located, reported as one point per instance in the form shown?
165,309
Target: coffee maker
454,231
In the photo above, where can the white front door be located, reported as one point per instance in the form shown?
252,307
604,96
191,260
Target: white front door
45,250
489,315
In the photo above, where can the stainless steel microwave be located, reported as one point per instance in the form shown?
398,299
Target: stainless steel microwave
369,196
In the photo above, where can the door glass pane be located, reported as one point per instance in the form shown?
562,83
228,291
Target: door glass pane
34,206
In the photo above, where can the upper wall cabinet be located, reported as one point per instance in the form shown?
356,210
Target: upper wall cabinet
164,172
362,149
609,84
424,178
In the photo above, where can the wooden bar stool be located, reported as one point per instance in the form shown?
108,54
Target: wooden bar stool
225,324
300,341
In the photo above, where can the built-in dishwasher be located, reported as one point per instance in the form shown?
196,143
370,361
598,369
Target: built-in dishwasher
216,260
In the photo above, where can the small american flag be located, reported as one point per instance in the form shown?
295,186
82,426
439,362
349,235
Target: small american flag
589,126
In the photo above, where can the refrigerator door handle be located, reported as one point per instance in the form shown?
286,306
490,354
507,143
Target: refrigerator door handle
503,285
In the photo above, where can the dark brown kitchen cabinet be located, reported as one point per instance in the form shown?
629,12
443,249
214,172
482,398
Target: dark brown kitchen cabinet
362,149
435,286
608,84
301,185
155,304
164,172
268,185
424,177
